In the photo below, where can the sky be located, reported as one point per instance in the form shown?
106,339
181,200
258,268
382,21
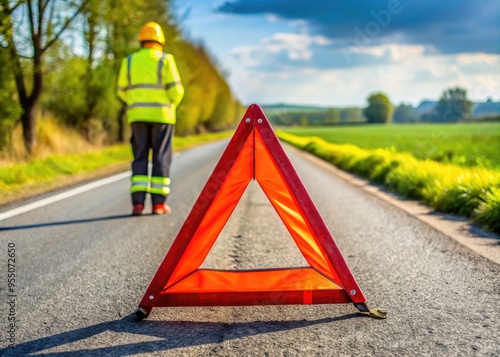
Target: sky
338,52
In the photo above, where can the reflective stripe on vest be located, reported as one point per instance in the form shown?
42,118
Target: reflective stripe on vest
172,85
159,81
150,105
159,185
150,85
160,69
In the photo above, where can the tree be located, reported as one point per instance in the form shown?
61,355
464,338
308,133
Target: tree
454,105
224,111
351,115
47,20
404,114
304,120
332,116
94,87
379,109
9,109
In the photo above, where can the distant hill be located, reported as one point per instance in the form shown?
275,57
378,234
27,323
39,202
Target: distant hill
484,109
480,109
425,106
292,107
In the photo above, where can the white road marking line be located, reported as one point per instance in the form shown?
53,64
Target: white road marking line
61,196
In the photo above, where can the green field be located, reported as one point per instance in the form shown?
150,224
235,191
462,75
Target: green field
458,144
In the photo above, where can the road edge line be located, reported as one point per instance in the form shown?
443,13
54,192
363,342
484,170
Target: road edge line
63,195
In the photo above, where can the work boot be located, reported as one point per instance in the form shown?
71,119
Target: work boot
161,208
137,210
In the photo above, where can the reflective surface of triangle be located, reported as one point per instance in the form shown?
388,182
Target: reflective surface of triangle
254,152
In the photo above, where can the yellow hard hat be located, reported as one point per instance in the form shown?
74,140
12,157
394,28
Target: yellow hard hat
152,32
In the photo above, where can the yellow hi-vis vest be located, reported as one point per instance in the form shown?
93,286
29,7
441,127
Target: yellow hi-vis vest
150,85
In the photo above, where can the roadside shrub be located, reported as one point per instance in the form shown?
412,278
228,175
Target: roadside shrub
488,212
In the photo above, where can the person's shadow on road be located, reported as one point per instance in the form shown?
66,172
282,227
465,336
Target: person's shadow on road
168,335
64,223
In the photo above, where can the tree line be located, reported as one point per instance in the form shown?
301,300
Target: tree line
317,116
63,56
453,106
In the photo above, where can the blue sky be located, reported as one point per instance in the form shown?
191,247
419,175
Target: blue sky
335,53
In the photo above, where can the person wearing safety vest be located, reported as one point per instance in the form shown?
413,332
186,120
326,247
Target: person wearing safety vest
150,86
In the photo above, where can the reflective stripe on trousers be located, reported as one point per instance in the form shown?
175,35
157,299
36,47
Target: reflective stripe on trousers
159,185
140,183
155,185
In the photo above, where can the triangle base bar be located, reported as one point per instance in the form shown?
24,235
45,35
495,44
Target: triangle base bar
254,298
207,280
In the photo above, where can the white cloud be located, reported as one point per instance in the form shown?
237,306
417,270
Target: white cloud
282,51
300,25
469,58
297,47
272,18
394,51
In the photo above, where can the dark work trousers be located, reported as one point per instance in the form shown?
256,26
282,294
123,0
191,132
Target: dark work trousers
158,137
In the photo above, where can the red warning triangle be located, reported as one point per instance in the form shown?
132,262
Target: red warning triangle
255,153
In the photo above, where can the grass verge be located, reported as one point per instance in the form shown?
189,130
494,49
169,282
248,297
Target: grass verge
471,192
21,180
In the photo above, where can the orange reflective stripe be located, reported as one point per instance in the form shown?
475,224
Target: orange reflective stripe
278,192
205,280
217,215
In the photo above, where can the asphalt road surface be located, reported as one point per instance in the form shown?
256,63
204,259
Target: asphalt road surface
82,265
